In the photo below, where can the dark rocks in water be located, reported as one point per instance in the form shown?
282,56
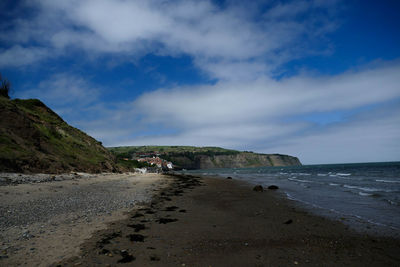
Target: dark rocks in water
273,187
258,188
126,257
136,238
166,220
183,211
288,221
230,178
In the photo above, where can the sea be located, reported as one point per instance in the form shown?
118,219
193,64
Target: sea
365,196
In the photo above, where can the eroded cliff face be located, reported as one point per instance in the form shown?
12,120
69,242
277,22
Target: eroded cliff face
240,160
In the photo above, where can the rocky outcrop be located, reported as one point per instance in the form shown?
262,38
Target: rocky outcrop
238,160
244,160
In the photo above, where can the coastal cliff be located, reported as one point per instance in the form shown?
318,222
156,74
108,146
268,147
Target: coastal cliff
245,159
188,157
240,160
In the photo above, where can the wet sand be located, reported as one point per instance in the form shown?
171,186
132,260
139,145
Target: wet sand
220,222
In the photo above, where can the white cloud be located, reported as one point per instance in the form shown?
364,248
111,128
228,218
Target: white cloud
17,56
265,116
375,136
214,36
64,92
232,102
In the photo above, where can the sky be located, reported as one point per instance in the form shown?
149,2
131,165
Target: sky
316,79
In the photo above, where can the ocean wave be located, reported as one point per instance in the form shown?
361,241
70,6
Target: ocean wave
391,202
333,184
343,174
300,180
368,194
387,181
322,174
367,189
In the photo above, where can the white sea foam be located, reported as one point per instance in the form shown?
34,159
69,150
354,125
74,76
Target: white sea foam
365,194
302,173
387,181
343,174
333,184
367,189
322,174
300,180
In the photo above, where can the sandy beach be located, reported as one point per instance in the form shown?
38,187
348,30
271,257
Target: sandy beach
191,221
44,222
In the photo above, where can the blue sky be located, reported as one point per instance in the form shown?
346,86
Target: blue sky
316,79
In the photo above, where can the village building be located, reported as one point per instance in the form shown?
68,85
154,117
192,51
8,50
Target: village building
157,161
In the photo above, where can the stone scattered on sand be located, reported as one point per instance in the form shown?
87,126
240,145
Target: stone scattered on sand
258,188
126,257
229,177
154,258
136,238
137,227
273,187
288,221
165,220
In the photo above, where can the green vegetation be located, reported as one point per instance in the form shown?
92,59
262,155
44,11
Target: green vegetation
124,160
132,164
33,138
188,151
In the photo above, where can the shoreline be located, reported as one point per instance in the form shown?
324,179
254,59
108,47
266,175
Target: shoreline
219,222
369,220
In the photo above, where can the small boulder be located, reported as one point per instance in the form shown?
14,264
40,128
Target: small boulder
288,221
273,187
229,177
258,188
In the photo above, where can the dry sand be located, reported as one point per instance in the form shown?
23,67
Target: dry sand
42,223
218,222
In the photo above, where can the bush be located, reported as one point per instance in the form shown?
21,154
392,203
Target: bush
5,87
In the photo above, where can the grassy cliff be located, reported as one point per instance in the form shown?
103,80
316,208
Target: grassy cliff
33,138
190,157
